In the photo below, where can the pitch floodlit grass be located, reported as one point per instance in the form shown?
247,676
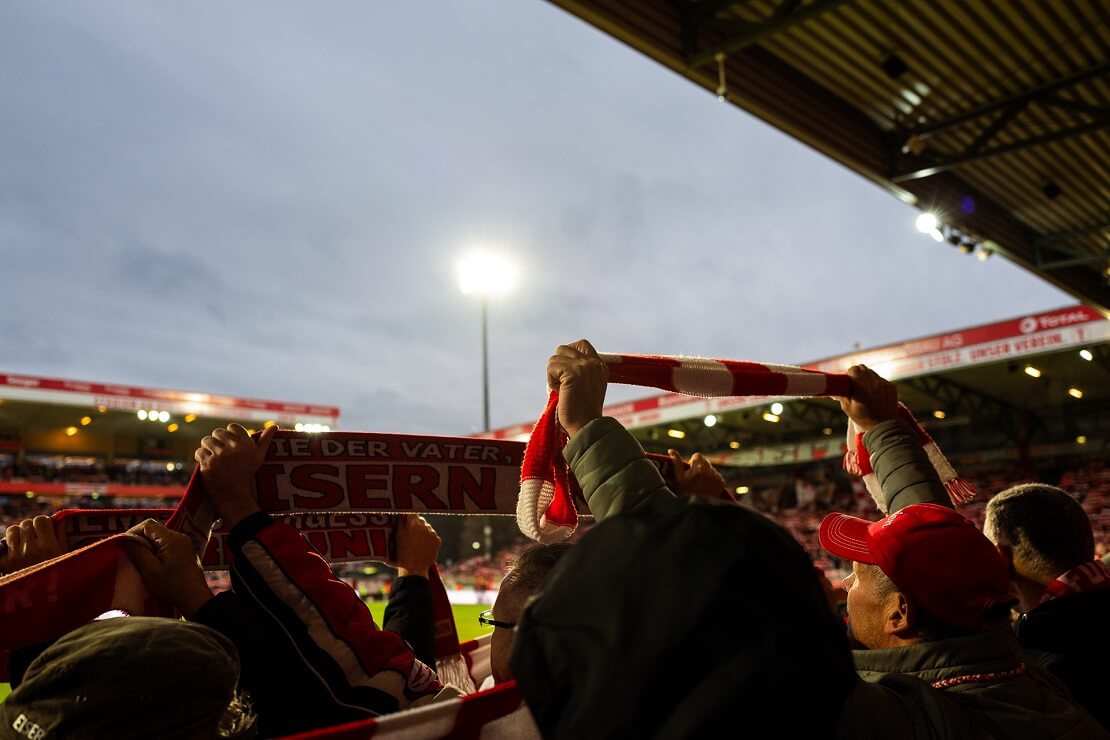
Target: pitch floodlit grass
466,622
466,619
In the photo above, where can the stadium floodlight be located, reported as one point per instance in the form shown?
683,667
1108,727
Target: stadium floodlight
827,431
926,223
190,418
776,408
742,490
773,418
170,467
141,413
734,444
163,416
1081,439
711,420
86,420
70,431
676,433
1086,355
1075,393
486,274
1032,372
938,414
172,428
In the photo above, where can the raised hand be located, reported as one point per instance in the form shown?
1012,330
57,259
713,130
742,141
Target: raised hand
228,460
874,399
28,543
697,478
417,546
169,565
581,377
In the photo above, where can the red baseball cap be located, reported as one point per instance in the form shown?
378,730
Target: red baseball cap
933,554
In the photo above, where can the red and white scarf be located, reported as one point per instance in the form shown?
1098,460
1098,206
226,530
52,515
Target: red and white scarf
857,461
1092,576
546,509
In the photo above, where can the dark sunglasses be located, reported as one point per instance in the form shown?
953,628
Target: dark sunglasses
486,618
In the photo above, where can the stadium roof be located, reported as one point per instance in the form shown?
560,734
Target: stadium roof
30,401
970,375
992,114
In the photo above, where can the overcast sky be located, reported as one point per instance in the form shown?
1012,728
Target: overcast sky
267,199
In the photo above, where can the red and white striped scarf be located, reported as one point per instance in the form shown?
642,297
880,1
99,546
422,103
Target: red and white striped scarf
1092,576
545,507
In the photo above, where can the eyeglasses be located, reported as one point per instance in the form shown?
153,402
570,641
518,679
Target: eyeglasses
486,617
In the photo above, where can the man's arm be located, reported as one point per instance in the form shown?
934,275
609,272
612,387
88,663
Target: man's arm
282,581
901,466
608,462
410,611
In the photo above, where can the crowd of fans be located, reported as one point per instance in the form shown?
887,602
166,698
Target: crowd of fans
677,613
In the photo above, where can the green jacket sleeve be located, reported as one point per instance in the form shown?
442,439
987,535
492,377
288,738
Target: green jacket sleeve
905,474
611,468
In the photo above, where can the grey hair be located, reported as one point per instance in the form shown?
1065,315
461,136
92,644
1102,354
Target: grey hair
1047,528
530,569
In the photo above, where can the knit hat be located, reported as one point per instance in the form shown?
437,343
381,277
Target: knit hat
125,677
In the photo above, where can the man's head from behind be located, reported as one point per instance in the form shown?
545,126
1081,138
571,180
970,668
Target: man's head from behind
525,576
1041,531
925,573
128,677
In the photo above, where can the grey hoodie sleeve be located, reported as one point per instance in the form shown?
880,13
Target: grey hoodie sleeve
905,474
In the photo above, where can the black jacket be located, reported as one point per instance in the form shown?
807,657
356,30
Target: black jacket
1068,636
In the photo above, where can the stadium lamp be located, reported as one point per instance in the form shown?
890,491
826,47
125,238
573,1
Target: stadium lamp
776,408
1086,355
734,444
141,413
927,223
773,418
711,420
1032,372
676,434
485,274
1075,393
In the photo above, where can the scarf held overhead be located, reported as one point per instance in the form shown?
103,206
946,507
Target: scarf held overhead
546,509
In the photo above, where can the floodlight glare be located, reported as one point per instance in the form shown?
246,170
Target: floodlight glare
1086,354
926,223
484,273
776,408
141,413
163,416
711,420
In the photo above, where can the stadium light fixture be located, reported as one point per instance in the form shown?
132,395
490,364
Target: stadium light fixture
190,418
742,490
86,420
1032,372
711,421
476,545
1081,439
95,495
776,408
926,223
102,409
676,433
70,431
170,467
141,413
1075,393
29,494
827,431
486,274
172,428
734,444
1086,355
163,416
773,418
938,414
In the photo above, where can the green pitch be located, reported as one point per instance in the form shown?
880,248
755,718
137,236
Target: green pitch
466,619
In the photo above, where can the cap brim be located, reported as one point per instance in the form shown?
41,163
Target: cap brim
846,537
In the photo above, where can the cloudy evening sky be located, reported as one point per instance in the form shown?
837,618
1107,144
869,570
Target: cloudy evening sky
267,199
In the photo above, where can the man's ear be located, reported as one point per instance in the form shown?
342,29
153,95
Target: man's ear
898,618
